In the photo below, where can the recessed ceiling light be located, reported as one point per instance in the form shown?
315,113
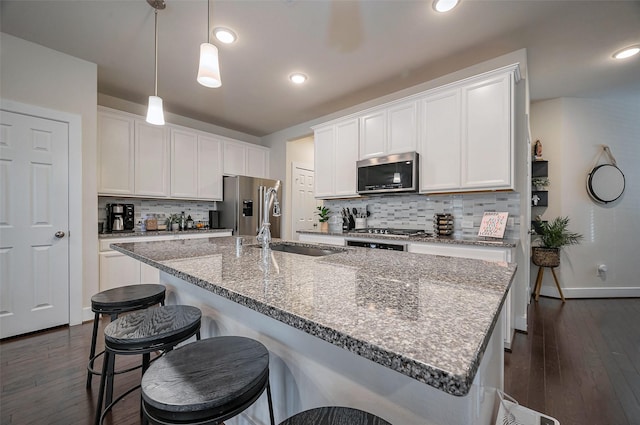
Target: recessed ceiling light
298,78
627,52
225,35
444,5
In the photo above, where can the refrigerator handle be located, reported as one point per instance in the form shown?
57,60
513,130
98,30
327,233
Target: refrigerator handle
260,207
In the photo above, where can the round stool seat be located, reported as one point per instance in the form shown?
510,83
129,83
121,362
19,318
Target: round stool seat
143,332
152,329
120,300
127,298
334,415
207,381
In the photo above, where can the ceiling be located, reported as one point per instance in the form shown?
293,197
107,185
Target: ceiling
352,51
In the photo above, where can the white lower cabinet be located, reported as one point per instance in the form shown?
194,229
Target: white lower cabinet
117,269
325,239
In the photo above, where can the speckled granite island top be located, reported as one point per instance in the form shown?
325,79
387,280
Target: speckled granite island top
427,317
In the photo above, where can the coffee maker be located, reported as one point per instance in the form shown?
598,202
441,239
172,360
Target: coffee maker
120,218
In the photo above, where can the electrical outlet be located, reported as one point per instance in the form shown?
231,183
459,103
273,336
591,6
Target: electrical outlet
467,224
511,221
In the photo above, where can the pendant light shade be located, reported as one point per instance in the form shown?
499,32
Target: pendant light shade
155,114
209,70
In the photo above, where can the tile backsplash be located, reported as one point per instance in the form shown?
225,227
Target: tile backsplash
416,211
198,210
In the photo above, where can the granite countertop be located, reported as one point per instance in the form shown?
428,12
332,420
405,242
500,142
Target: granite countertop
452,240
427,317
138,233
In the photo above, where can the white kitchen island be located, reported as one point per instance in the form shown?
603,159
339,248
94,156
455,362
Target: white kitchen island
411,338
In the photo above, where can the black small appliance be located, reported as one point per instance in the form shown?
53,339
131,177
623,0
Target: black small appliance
120,218
214,219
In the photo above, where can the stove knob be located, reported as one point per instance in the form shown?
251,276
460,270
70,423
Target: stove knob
386,231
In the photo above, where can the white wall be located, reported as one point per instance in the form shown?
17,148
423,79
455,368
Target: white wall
35,75
572,131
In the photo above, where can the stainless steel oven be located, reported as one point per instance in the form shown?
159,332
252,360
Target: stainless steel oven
392,246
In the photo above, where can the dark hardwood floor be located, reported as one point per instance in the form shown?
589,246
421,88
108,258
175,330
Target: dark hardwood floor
580,363
43,378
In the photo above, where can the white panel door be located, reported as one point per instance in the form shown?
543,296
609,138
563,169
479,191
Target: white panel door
303,204
184,160
34,199
151,160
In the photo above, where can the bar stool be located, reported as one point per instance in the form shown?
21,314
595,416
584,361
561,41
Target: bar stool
120,300
143,332
334,415
206,382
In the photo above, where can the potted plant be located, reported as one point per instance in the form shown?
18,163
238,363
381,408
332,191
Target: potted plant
173,222
553,235
540,183
323,217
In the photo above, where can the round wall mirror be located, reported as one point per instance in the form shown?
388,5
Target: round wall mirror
605,183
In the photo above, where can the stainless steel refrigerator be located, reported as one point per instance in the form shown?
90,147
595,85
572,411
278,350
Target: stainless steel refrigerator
242,205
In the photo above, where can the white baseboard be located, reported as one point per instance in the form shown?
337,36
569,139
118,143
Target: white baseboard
87,314
598,292
520,323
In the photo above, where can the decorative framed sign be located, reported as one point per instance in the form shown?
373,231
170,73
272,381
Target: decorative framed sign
493,224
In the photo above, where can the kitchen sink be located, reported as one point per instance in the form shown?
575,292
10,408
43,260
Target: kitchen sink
304,250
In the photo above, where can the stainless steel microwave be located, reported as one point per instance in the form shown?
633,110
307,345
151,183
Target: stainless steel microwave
388,174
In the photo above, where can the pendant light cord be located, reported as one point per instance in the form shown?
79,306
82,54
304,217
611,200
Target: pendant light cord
156,52
208,24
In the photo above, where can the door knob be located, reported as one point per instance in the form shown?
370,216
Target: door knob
59,234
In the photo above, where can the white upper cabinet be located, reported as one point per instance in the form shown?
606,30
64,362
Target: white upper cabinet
467,135
440,147
335,157
184,164
346,156
242,159
373,134
389,130
196,165
115,153
151,160
324,154
209,168
402,128
487,129
143,160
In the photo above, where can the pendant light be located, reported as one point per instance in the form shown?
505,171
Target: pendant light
155,114
209,69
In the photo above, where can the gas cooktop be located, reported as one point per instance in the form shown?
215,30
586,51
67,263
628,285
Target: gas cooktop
391,231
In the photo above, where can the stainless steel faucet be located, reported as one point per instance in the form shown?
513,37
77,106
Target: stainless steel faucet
270,195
